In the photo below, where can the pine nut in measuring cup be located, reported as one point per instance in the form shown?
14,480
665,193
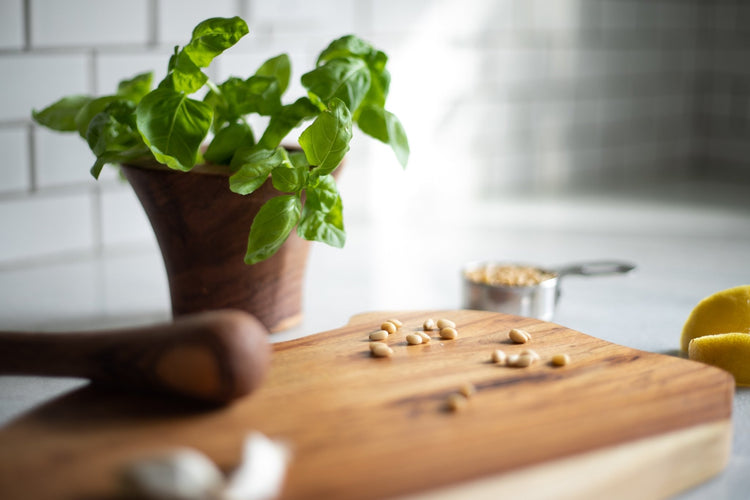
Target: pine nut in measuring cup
522,289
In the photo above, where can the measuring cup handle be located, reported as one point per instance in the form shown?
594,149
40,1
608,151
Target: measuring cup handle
595,268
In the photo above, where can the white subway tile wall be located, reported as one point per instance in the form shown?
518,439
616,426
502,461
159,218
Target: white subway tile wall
88,23
177,18
44,225
14,168
60,160
11,24
32,80
542,95
122,218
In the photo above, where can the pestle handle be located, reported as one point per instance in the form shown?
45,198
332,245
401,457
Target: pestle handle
215,356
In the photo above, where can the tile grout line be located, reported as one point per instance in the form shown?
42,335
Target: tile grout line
243,9
152,21
30,128
32,161
97,231
26,25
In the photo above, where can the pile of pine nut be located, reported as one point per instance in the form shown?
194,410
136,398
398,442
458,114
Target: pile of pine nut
527,357
447,331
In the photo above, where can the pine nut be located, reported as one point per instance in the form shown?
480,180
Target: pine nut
456,402
388,327
448,333
381,350
499,357
560,359
532,353
467,390
519,336
445,323
396,322
424,336
379,335
414,339
512,360
428,325
524,360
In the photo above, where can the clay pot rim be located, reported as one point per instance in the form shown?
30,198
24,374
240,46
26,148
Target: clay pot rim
150,163
202,168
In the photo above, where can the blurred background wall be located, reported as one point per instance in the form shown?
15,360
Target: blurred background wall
499,98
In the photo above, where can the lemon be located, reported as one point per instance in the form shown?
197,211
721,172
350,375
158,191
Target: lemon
729,351
727,311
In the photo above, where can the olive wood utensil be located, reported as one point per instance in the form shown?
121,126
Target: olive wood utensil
214,356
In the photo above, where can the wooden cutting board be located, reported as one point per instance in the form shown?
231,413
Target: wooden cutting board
615,422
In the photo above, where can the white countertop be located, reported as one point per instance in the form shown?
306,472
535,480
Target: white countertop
687,244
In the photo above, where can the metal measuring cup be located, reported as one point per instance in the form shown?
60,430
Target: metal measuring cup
536,300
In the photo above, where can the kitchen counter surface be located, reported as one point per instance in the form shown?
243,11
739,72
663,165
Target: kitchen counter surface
690,243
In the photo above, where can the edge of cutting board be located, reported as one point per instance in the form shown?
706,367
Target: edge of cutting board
627,471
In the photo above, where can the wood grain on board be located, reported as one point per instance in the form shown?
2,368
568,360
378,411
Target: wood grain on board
364,427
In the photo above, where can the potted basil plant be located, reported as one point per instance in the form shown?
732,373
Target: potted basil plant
244,192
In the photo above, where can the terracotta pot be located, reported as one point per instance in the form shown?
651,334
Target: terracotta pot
202,229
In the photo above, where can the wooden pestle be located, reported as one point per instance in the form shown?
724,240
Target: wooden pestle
215,356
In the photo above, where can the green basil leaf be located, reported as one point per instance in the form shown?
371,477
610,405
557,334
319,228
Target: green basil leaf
252,167
96,168
212,37
326,140
278,67
236,98
378,92
271,227
385,127
90,110
372,122
106,133
289,179
135,88
227,141
322,215
185,76
346,46
173,127
123,111
257,94
61,114
285,120
298,159
377,60
397,138
317,226
323,194
345,78
116,157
